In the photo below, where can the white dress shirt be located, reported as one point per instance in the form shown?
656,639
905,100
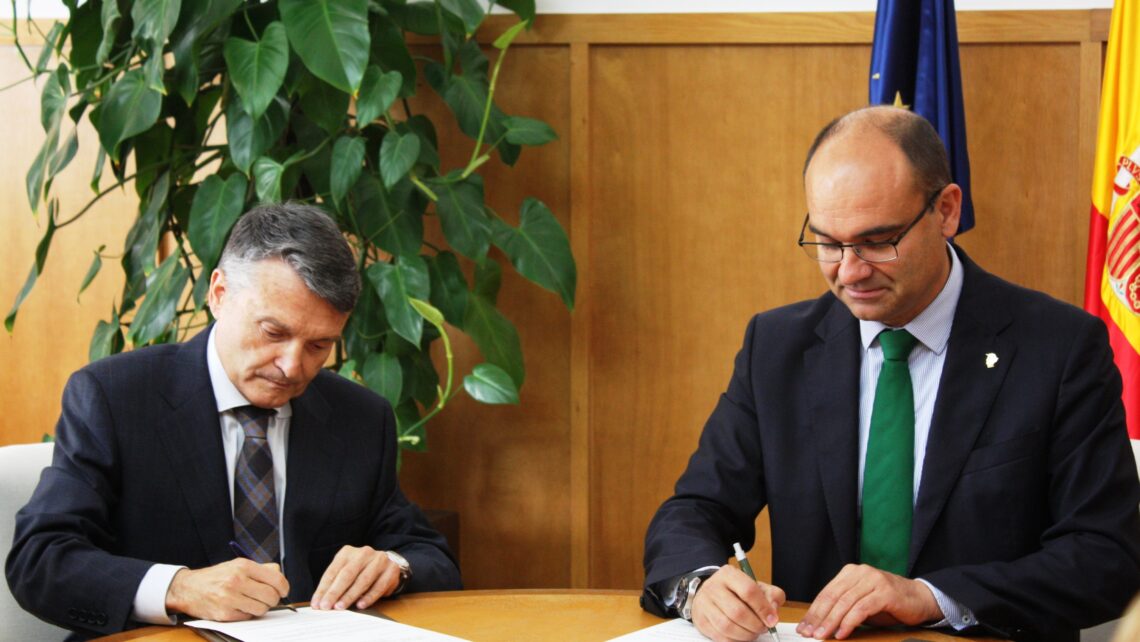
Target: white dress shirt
150,598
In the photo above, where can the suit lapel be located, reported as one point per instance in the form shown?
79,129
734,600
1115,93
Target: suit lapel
832,368
193,441
966,391
316,455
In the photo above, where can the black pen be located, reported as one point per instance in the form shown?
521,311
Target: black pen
747,568
241,552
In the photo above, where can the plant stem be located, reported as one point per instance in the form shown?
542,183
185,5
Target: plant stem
445,395
487,107
424,188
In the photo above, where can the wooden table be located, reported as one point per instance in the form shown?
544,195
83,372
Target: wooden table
538,614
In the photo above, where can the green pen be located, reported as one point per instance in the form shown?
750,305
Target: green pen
747,568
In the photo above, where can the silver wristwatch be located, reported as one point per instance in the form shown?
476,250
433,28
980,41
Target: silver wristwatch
688,591
405,569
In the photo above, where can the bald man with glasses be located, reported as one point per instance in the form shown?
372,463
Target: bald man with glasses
935,446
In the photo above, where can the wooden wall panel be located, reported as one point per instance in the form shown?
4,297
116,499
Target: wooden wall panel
54,326
1031,188
697,201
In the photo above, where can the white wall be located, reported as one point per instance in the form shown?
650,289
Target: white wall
55,8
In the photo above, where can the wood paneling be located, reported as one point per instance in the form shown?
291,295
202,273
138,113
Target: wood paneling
697,204
1031,187
677,176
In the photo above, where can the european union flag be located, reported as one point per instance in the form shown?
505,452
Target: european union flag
914,63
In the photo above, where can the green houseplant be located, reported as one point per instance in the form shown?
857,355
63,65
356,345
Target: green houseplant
210,106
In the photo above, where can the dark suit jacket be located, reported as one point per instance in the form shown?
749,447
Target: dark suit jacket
1027,507
139,477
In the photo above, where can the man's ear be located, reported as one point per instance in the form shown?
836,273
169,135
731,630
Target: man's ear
216,292
949,208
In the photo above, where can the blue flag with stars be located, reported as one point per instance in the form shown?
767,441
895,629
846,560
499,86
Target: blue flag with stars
914,64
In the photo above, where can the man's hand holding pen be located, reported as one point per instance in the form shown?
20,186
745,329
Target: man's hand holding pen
731,606
235,590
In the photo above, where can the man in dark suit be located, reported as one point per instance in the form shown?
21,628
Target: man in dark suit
173,461
1019,491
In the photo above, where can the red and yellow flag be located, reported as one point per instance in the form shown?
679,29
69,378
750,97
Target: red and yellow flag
1112,282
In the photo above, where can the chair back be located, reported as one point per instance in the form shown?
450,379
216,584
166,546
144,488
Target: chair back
20,468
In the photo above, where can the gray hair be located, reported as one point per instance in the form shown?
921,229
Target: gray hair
913,134
303,236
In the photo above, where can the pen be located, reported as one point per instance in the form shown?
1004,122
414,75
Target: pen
747,568
240,552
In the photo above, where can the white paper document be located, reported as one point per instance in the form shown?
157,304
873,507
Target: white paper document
679,630
307,624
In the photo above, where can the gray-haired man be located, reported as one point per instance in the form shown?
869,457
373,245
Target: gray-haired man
175,463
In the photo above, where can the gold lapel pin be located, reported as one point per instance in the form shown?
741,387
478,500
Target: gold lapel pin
991,359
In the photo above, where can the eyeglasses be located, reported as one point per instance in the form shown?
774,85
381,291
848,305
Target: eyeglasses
876,252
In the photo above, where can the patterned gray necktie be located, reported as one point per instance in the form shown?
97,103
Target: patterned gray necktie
255,499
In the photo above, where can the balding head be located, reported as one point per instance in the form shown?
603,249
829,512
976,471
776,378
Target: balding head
911,133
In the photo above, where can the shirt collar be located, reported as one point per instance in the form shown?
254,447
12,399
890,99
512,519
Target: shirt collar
932,326
226,393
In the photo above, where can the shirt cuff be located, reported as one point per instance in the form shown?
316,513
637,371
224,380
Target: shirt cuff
954,613
150,598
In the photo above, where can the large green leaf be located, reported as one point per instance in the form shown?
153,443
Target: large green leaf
331,37
528,131
460,208
37,268
110,18
396,283
96,265
107,338
398,153
53,99
257,69
267,175
421,381
448,287
496,337
539,249
129,108
154,20
249,138
377,92
470,11
324,104
387,218
488,279
490,384
390,50
383,375
523,8
347,162
217,206
142,241
36,177
163,290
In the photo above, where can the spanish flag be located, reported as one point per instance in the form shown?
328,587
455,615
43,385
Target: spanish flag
1112,280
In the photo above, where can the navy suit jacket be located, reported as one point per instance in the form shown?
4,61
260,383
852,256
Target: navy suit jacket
138,477
1027,507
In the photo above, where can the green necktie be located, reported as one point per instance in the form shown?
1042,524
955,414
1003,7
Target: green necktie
888,476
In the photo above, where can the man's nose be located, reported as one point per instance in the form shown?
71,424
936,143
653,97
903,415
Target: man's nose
289,360
852,269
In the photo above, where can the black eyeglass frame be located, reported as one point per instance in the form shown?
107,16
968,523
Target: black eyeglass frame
857,248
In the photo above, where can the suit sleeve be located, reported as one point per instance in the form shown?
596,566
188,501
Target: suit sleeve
59,567
400,526
1087,565
717,498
